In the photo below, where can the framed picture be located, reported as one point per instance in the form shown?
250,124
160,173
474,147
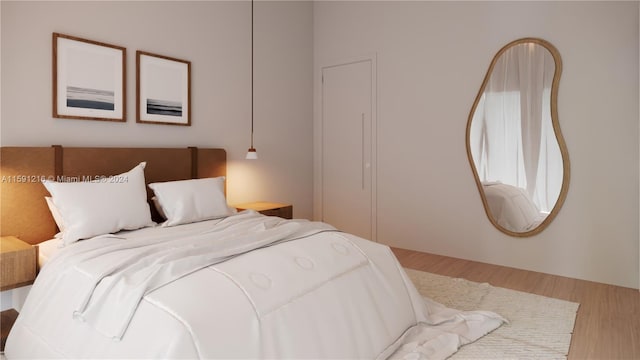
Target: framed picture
88,79
163,89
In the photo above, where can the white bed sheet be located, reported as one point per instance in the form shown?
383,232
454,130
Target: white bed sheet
47,249
329,295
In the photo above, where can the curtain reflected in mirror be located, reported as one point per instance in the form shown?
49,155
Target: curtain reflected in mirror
515,147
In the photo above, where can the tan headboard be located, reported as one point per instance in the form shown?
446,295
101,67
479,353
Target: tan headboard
23,210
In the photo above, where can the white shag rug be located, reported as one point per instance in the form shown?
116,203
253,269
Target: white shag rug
539,327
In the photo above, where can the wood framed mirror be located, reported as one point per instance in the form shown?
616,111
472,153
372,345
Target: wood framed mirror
516,150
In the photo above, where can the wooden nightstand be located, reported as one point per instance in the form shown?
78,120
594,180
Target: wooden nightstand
17,263
17,268
268,208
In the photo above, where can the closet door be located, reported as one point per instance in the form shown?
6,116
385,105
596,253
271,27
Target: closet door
347,103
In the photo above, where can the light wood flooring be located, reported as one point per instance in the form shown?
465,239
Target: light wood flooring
608,320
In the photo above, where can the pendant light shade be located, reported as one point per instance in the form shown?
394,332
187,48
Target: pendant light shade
252,154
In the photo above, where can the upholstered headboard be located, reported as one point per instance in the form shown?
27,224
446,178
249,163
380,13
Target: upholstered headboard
23,210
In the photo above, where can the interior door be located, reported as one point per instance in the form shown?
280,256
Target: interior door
347,107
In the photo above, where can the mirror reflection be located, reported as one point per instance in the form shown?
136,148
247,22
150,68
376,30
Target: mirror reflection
514,142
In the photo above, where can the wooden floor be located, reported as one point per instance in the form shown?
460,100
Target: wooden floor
608,321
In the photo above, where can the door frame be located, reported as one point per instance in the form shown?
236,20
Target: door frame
319,137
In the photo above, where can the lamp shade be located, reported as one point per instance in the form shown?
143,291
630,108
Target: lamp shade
252,154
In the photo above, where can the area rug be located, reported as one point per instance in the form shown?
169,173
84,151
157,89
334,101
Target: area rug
539,327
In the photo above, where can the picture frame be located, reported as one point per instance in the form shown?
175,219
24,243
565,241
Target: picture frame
163,89
88,79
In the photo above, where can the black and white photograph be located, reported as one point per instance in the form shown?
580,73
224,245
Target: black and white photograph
163,89
88,79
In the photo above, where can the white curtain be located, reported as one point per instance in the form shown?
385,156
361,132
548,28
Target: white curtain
512,137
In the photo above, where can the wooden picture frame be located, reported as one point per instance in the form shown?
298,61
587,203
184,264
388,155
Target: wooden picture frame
163,89
88,79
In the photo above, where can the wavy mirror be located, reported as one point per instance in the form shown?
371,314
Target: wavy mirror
516,150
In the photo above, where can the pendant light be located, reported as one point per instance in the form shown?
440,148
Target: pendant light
252,154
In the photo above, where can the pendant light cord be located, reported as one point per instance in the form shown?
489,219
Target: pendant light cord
252,74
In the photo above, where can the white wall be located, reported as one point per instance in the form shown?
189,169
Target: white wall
432,57
215,37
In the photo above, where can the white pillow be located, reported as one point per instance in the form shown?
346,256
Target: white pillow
108,205
57,217
511,207
187,201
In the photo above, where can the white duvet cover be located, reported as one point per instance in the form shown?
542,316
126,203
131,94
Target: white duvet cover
247,286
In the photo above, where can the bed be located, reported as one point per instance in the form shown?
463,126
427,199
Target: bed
512,207
201,281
